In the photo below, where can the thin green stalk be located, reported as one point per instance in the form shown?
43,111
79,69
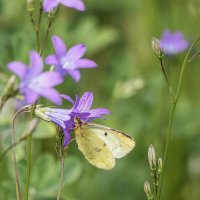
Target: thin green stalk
49,24
62,163
171,117
29,142
166,78
37,29
28,166
50,21
18,190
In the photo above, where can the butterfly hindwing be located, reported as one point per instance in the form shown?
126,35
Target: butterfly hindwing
94,149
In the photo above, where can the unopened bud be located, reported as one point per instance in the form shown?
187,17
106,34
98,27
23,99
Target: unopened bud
147,190
152,157
156,47
9,91
30,5
160,165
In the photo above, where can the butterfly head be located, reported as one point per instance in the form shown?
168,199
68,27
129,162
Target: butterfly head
78,121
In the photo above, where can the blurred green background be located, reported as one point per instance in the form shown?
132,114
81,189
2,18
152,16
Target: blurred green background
128,82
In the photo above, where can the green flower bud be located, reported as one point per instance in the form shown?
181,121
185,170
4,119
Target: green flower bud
156,47
152,157
30,5
147,190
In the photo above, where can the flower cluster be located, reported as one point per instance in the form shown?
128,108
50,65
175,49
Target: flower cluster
64,118
34,82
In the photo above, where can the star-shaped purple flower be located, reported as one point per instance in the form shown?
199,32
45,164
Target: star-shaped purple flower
65,118
71,61
173,43
35,83
49,5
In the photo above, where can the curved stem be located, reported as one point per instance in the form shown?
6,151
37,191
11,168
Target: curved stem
166,78
28,166
62,163
174,103
18,190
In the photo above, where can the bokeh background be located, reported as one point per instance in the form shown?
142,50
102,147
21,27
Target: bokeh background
128,82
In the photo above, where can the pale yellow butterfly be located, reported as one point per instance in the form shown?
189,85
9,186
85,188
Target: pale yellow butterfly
101,145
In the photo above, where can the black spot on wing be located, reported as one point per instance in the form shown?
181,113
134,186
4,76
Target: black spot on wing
105,133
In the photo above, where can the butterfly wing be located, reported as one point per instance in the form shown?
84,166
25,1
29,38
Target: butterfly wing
119,143
94,148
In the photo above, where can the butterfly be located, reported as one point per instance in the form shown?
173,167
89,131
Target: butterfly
101,145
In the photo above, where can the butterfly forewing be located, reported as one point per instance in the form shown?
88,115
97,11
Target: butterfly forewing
119,143
94,148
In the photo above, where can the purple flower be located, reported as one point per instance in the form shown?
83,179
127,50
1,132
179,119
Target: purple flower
35,83
173,43
69,61
49,5
65,118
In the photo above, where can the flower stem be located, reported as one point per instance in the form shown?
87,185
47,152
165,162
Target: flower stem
28,166
51,18
62,164
166,78
171,117
18,190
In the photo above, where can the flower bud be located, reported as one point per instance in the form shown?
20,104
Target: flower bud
9,91
160,165
152,157
147,190
156,47
30,5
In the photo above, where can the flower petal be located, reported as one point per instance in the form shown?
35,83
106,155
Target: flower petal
98,112
85,63
36,64
31,96
49,5
57,121
49,79
52,95
67,137
52,60
59,45
76,52
75,74
68,98
85,102
57,110
18,68
77,4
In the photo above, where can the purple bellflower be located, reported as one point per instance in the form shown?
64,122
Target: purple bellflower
173,43
69,61
49,5
65,118
35,83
